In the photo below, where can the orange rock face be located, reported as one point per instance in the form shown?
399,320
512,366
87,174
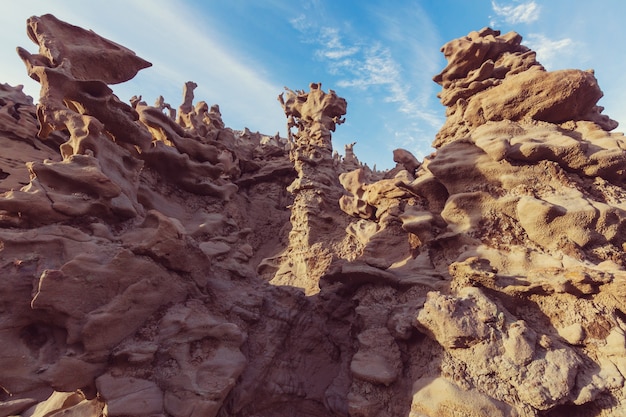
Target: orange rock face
156,262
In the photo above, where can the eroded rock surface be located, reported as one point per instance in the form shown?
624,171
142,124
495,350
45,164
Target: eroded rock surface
156,262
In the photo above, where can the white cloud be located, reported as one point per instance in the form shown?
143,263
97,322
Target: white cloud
549,51
333,47
522,13
364,65
387,71
300,23
376,67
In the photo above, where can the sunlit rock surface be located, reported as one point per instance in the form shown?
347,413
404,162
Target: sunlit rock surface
156,262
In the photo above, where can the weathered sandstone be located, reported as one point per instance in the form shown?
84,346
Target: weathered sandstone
157,263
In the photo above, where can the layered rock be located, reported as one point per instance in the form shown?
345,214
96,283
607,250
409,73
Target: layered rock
520,210
315,216
493,77
155,262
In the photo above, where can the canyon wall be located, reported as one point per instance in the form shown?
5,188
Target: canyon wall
156,262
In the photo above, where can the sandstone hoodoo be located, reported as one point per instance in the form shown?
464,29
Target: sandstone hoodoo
155,262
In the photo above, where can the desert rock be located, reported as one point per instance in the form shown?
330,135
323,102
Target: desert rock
156,262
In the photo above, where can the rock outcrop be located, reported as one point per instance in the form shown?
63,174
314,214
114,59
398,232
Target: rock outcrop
156,262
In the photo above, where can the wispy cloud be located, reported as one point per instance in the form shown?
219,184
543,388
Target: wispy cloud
363,65
182,47
377,68
301,24
549,51
374,67
246,97
333,47
527,12
386,71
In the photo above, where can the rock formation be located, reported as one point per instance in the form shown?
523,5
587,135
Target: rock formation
315,215
156,262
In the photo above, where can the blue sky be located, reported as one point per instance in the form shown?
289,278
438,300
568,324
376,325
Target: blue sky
380,55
